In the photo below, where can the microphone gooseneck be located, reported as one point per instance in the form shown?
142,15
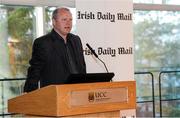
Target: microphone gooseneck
94,53
104,64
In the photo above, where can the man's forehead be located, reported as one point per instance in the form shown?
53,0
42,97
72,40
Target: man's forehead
65,13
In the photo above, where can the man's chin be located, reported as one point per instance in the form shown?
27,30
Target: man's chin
67,31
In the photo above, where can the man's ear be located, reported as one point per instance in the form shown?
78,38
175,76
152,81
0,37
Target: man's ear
53,22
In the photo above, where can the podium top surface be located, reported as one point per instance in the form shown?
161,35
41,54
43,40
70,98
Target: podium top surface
89,78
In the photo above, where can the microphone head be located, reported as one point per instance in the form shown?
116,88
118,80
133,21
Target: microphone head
92,50
87,45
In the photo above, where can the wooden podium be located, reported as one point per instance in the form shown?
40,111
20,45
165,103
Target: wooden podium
89,99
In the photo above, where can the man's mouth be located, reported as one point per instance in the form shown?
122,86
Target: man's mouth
67,27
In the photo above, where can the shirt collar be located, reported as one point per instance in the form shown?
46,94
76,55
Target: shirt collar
59,37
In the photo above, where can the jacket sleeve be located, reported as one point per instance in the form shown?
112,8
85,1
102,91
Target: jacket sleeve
36,64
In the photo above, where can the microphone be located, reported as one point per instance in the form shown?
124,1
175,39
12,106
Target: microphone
94,53
92,50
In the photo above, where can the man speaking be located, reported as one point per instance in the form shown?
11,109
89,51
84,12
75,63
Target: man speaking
55,55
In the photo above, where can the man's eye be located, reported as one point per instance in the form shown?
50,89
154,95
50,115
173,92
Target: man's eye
66,19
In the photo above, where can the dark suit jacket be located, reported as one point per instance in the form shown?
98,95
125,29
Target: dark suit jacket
49,63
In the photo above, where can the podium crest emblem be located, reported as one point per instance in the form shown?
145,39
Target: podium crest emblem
91,97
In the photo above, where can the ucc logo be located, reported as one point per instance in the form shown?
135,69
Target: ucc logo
100,94
96,95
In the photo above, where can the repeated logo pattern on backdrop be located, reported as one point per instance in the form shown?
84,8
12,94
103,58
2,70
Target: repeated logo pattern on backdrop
107,26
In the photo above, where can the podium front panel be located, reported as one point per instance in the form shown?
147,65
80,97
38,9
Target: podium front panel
98,96
77,99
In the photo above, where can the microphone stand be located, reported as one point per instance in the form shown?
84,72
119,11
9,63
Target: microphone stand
104,64
96,56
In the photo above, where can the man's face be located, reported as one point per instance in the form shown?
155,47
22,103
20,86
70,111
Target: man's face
63,22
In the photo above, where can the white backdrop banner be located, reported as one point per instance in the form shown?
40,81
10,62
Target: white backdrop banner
107,26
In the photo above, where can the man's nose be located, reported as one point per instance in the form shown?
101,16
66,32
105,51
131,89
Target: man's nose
69,21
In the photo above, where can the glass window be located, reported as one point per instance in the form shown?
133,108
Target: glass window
170,95
17,33
148,1
157,48
144,95
8,90
157,39
48,17
173,2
